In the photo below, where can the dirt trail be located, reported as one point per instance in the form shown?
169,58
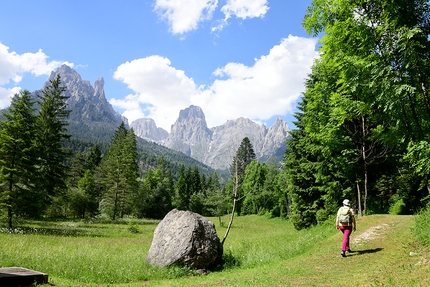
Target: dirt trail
371,233
384,254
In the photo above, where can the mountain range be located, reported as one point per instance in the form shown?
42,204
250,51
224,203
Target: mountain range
216,146
92,119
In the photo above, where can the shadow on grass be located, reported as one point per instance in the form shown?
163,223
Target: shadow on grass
73,232
366,251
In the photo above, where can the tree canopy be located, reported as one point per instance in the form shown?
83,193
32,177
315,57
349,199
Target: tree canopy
365,112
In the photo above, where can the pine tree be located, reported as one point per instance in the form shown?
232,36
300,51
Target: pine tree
182,190
245,155
120,172
52,125
17,156
155,199
94,158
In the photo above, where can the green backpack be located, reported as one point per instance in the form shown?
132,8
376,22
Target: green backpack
344,215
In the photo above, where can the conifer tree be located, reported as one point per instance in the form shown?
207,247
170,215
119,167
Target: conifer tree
52,125
94,158
155,199
245,155
18,157
120,173
182,190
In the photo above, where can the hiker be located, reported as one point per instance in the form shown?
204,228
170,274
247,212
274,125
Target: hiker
345,222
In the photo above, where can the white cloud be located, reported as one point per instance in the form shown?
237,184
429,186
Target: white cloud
245,8
242,9
163,89
6,96
259,92
13,67
184,16
266,89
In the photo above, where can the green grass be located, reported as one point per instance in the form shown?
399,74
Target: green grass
258,252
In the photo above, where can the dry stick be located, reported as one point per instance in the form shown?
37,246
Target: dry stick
234,205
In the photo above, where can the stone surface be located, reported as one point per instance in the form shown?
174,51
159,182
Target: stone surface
147,129
87,103
185,238
18,276
216,146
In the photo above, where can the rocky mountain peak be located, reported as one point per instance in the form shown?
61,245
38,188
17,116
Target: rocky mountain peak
87,102
216,146
147,129
99,91
67,74
192,112
190,129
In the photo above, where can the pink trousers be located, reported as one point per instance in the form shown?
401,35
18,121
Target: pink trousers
346,230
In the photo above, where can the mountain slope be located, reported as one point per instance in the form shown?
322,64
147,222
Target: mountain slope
93,120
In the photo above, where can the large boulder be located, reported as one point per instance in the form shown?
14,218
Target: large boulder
185,238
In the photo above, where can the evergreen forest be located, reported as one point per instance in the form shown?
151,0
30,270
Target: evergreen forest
362,133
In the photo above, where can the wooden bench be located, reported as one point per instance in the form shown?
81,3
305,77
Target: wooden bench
17,276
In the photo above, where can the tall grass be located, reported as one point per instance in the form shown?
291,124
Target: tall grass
256,241
422,226
102,253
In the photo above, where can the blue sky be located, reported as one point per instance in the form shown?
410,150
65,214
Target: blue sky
233,58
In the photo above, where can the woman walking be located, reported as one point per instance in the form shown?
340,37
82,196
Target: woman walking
345,222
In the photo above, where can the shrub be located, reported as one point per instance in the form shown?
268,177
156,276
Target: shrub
132,227
322,215
398,208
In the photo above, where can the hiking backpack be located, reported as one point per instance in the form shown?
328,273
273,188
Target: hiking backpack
344,215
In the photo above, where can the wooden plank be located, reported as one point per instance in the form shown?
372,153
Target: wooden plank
18,276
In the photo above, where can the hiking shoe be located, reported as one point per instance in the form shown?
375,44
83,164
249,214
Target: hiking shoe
343,254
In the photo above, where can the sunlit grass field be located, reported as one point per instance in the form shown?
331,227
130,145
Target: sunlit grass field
257,252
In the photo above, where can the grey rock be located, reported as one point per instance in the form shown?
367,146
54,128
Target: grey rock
190,134
185,238
217,146
87,103
147,129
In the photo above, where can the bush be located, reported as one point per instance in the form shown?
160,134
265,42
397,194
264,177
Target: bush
132,227
322,215
398,208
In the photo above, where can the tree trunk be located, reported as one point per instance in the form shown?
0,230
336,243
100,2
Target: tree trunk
363,154
359,199
365,190
230,223
115,202
9,217
234,206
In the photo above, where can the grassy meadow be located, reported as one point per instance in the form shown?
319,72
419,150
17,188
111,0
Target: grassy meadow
258,252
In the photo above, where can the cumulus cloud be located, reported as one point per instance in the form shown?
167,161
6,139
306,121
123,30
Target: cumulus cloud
259,92
245,8
159,87
14,66
242,9
184,16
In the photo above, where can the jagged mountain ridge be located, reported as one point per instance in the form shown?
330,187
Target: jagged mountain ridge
216,146
147,129
93,120
92,116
